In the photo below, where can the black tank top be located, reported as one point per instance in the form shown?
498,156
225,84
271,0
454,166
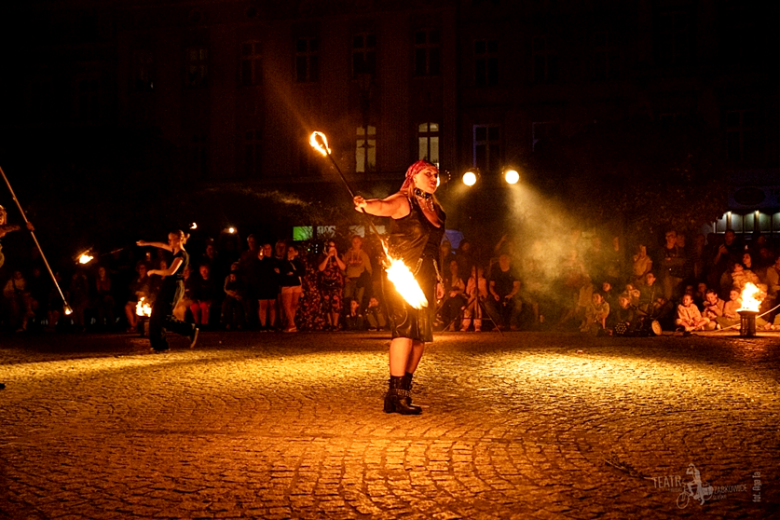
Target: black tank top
413,236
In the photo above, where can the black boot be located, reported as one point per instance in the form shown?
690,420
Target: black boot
395,399
406,386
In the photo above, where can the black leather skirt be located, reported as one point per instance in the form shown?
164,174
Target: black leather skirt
406,321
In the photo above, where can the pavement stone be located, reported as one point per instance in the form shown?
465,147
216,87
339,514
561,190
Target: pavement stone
520,425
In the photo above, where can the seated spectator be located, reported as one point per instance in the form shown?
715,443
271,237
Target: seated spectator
139,288
353,320
454,300
504,286
625,321
649,292
477,296
731,318
714,307
104,300
609,294
204,292
689,317
595,319
374,315
700,296
773,285
233,305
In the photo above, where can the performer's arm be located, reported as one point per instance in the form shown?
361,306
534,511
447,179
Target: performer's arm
7,229
171,270
396,206
159,245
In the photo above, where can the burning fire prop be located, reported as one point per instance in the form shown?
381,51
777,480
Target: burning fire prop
405,284
85,258
397,271
750,298
142,308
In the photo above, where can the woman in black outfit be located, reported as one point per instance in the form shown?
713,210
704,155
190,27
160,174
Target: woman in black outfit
171,291
417,231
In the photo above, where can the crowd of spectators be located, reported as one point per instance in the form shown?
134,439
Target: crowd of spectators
575,283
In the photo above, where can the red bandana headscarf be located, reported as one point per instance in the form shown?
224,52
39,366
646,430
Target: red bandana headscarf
414,169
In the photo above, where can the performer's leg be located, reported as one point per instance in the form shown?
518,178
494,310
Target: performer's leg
401,351
418,347
157,326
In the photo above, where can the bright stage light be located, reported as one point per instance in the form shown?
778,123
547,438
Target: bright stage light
511,176
231,230
469,178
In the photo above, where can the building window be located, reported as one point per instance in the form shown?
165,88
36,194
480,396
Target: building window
486,63
89,100
251,64
307,60
252,153
427,52
545,60
543,134
487,147
198,154
742,136
197,66
601,56
363,54
674,39
428,142
142,71
365,149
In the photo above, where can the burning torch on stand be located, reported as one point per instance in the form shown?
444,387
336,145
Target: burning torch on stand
397,271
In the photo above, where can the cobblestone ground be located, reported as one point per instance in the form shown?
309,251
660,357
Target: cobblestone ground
524,425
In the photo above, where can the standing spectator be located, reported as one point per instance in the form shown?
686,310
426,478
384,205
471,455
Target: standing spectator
672,266
266,286
331,270
465,256
291,286
204,293
504,287
104,300
642,264
139,288
358,272
78,298
18,302
6,228
232,304
727,253
445,257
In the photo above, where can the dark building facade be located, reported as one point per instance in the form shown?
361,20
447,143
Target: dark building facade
234,88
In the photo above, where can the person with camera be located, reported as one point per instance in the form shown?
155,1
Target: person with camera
331,269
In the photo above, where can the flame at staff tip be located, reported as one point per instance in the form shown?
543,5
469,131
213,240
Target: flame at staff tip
405,284
85,258
68,310
142,308
194,225
750,295
321,144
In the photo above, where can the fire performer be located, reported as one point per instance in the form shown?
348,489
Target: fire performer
171,292
416,232
7,228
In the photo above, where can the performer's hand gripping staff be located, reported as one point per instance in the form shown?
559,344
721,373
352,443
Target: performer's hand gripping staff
31,228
